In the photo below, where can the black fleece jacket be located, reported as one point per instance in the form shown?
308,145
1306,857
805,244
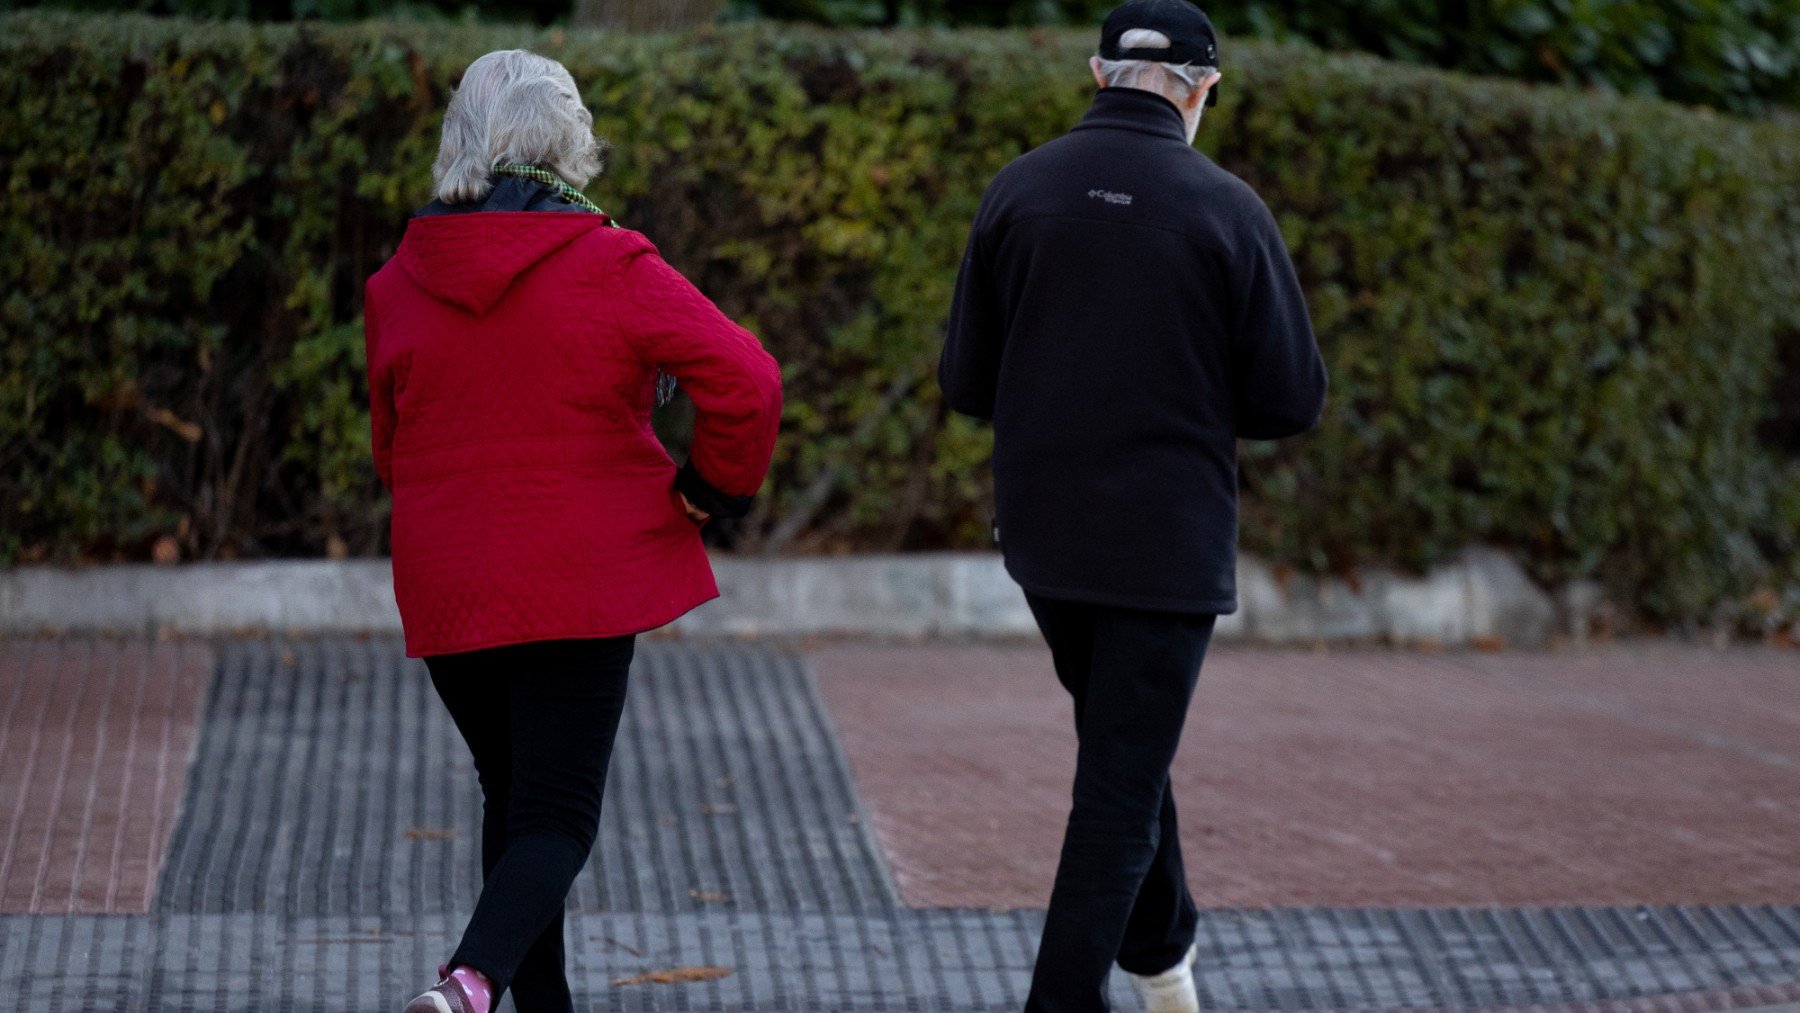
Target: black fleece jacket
1125,312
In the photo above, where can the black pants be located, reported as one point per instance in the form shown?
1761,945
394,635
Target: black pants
1121,893
540,719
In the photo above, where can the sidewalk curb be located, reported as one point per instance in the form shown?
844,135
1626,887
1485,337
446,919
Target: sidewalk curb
1482,596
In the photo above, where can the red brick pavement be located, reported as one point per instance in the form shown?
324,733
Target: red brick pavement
95,741
1637,773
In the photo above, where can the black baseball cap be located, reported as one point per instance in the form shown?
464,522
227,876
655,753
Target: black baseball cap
1190,32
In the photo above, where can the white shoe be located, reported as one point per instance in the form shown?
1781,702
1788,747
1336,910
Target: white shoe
1171,991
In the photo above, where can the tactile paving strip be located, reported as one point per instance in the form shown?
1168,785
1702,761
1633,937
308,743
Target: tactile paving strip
330,781
328,834
937,960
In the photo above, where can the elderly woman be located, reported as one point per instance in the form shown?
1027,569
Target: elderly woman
517,342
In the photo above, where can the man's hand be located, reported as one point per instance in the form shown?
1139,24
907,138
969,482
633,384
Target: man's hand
694,513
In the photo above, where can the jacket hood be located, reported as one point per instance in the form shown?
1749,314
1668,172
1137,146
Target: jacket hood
470,260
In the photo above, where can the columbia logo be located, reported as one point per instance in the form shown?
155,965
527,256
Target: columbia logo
1110,197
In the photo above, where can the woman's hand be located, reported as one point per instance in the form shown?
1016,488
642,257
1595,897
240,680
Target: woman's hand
694,513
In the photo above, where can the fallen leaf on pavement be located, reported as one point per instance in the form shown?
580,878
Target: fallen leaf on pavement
430,833
675,975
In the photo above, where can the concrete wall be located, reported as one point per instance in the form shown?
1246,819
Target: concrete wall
1481,597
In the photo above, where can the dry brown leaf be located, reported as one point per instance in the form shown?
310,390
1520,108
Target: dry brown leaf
189,431
1766,601
675,975
709,897
430,833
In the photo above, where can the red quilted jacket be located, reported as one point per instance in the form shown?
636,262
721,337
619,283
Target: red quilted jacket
512,361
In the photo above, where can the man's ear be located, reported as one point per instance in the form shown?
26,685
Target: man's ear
1094,65
1198,95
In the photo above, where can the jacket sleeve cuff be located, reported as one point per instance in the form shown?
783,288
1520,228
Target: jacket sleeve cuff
707,496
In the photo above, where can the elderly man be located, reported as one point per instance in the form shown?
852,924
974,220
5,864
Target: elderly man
1126,310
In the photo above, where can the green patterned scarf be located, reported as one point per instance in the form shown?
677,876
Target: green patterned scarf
555,182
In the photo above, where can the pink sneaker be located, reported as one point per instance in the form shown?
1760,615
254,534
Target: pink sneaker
444,997
465,991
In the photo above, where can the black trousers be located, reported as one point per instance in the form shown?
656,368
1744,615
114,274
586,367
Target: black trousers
540,719
1121,892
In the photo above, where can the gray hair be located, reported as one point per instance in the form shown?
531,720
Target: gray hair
514,106
1148,74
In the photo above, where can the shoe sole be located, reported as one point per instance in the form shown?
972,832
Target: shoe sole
430,1002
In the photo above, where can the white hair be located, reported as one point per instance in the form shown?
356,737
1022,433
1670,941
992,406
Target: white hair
514,106
1175,80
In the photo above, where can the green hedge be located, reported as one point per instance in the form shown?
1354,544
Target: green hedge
1551,319
1741,55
